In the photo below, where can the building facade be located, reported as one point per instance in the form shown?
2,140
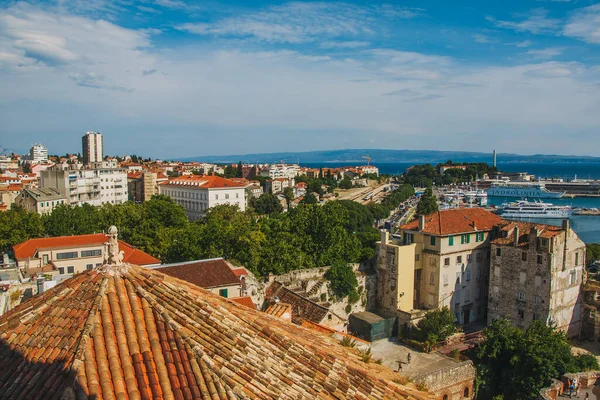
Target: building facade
92,147
90,186
41,201
142,186
537,272
38,154
198,193
439,260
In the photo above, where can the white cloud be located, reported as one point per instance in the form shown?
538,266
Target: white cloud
480,38
299,22
524,43
549,52
343,45
584,24
536,21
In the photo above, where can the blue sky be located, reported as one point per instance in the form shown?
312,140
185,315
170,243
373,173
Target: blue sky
171,78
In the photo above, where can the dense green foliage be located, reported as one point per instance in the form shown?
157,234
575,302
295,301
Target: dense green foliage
516,364
427,174
592,252
266,204
18,225
345,183
342,280
400,195
436,325
427,203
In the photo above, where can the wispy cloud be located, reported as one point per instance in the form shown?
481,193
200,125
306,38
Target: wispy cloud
547,53
95,81
524,43
536,21
584,24
343,45
147,72
480,38
299,22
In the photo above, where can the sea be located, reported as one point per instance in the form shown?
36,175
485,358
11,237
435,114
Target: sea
586,226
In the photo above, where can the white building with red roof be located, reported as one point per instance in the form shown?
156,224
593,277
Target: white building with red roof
198,193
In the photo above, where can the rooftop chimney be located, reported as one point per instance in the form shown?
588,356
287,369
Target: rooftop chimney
566,225
516,235
421,223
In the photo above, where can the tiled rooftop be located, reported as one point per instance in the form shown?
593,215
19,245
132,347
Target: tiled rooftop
29,248
448,222
134,333
204,273
507,232
302,308
203,181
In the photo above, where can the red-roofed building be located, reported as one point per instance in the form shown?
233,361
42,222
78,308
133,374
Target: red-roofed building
198,193
441,259
245,301
72,254
214,274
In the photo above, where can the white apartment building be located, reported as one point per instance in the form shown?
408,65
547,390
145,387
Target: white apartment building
198,193
92,186
38,154
92,147
276,171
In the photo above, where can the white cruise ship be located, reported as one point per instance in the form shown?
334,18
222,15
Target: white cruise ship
528,209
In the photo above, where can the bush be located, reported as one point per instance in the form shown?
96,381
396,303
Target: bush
437,325
353,297
585,362
348,309
348,342
342,279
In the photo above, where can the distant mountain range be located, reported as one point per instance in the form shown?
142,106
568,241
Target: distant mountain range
379,156
5,152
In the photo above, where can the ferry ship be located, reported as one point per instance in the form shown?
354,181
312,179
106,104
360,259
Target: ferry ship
523,191
538,209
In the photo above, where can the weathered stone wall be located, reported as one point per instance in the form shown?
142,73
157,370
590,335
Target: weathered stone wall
557,387
590,329
453,382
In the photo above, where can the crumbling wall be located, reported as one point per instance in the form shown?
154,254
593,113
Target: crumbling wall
454,381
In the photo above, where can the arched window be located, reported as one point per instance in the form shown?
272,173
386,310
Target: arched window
466,394
445,397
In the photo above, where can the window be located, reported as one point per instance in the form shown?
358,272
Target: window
432,278
467,296
61,270
447,261
417,257
468,258
64,256
216,197
466,392
524,256
479,237
478,256
45,259
537,299
522,314
573,278
445,279
89,267
432,240
227,196
451,241
468,277
91,253
539,258
536,317
522,296
459,259
237,195
577,258
465,238
458,278
70,270
498,252
223,293
98,264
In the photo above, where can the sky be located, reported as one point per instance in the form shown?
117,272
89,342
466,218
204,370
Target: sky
172,78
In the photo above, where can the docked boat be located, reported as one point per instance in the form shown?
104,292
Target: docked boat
478,197
538,209
523,191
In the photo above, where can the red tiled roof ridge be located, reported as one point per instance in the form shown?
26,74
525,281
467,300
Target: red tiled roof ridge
143,333
455,221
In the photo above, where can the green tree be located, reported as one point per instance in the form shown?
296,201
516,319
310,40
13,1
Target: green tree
437,325
239,171
267,204
18,225
427,203
378,211
345,183
67,220
309,198
516,363
342,279
592,252
288,193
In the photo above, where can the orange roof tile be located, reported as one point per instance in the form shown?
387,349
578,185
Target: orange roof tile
245,301
203,181
507,232
131,332
29,248
448,222
204,273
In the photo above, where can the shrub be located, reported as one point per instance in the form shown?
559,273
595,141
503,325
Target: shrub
348,342
365,356
348,309
342,279
353,297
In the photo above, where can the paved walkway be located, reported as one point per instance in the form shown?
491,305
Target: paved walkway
582,393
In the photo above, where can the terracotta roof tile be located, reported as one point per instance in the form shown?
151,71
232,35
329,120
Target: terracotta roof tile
204,273
302,308
507,232
245,301
203,181
448,222
131,332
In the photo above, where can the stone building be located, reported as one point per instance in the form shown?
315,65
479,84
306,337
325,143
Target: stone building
536,274
590,314
41,201
441,259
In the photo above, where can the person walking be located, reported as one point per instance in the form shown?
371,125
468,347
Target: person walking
408,358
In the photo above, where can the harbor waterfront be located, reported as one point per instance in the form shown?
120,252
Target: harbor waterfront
586,226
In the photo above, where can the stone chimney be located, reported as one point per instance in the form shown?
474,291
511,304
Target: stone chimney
516,234
566,224
385,236
421,223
